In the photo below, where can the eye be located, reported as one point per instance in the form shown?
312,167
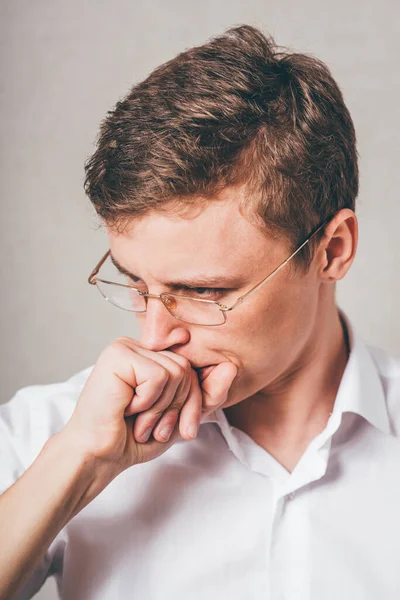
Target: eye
132,280
209,293
203,292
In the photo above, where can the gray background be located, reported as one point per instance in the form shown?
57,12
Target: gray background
64,64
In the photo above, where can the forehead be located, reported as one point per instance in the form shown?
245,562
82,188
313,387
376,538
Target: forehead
215,236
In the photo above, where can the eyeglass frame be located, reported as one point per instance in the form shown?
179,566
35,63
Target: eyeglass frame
92,279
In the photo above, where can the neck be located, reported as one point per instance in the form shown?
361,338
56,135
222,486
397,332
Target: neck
284,418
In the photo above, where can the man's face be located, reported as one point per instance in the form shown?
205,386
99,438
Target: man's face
265,335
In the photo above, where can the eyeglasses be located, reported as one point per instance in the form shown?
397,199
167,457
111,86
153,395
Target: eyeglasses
195,311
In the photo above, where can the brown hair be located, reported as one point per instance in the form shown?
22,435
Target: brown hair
232,111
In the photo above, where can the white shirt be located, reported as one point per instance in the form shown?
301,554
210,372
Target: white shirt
219,518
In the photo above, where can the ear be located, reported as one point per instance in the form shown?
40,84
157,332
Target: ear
339,245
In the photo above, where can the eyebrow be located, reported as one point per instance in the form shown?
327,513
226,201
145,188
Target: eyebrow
195,280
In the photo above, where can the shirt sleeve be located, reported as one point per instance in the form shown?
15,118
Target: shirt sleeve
27,421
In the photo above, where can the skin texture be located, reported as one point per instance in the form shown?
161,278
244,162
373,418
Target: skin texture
287,340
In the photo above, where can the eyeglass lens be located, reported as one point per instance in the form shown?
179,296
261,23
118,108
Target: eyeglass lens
185,309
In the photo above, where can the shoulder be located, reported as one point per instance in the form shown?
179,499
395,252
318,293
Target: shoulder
388,368
33,415
388,364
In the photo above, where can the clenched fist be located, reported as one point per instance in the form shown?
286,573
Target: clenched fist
136,403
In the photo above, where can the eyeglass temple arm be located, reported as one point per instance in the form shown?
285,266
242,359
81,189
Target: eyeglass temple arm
255,288
91,278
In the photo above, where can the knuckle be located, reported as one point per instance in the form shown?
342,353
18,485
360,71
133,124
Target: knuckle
128,340
176,371
179,372
178,359
184,363
122,341
116,346
173,410
170,414
125,343
144,422
169,419
161,375
178,400
152,416
112,352
188,369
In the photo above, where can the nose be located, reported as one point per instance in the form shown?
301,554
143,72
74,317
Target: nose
160,330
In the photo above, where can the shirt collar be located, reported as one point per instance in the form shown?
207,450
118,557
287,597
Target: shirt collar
360,390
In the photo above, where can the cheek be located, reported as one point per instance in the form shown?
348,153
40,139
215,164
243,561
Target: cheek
268,332
255,318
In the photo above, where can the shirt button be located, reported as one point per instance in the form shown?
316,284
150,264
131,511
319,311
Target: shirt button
290,496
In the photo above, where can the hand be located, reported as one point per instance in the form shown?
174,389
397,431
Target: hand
127,380
207,394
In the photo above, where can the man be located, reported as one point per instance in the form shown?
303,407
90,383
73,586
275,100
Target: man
245,446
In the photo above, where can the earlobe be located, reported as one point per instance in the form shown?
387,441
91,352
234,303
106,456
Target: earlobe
326,271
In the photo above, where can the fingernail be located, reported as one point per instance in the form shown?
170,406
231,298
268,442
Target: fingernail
166,432
192,431
146,434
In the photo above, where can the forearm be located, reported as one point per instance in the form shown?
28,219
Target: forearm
58,484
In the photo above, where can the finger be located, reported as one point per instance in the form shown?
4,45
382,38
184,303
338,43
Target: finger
173,364
215,386
191,411
163,428
117,373
166,423
147,451
166,409
168,405
181,360
157,356
170,401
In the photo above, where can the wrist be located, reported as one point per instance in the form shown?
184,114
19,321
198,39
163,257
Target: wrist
87,474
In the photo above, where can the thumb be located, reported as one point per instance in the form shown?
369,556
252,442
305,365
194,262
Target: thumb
216,385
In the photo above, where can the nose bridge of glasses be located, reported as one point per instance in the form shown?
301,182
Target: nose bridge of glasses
148,295
167,299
